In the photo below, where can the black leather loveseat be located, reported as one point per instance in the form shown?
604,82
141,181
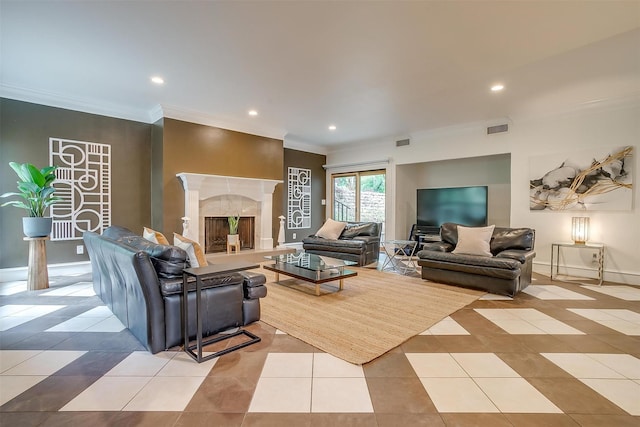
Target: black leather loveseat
507,272
141,283
359,242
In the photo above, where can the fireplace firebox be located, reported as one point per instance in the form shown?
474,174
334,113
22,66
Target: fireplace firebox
216,229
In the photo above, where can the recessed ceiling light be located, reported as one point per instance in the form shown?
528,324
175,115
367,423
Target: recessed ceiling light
332,127
157,80
253,113
497,88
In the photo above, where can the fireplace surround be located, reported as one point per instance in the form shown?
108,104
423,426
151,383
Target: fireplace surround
222,196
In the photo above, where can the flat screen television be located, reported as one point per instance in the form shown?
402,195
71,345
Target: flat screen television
462,205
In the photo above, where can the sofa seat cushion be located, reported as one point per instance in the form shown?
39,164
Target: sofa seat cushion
503,268
172,286
350,246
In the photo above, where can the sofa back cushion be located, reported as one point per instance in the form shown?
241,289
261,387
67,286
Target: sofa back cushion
503,238
168,261
354,229
512,238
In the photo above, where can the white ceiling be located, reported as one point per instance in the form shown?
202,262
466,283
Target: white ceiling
374,69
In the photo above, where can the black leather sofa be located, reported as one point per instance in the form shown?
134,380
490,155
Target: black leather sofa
359,242
507,272
141,283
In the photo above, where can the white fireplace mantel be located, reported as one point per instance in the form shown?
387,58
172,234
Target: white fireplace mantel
201,187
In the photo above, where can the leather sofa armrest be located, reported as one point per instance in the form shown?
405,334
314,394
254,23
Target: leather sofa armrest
437,247
519,255
253,285
366,239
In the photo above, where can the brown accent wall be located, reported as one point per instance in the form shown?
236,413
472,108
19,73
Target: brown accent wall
314,162
25,129
195,148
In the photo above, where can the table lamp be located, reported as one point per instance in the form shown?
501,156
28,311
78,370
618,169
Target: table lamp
579,230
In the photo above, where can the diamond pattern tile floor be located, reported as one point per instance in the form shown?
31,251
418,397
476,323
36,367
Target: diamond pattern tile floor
557,354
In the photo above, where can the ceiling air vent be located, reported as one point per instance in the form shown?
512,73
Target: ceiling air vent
402,142
497,129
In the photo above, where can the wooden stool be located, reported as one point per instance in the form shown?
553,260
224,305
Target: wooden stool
235,245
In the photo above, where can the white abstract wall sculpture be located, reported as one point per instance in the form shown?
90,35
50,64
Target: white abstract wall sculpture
299,198
84,185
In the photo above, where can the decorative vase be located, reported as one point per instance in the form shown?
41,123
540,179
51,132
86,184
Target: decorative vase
233,239
37,226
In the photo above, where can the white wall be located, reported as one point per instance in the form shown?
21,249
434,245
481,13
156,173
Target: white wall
492,171
612,125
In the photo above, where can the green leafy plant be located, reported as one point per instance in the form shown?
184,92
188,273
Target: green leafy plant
35,187
233,224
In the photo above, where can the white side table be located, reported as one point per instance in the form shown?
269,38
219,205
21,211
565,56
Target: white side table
555,256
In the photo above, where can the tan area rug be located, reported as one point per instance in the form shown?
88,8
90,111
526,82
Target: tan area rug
374,313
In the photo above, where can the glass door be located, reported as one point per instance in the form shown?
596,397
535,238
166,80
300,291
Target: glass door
359,196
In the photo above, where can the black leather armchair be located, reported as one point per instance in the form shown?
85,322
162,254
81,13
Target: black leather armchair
507,272
141,283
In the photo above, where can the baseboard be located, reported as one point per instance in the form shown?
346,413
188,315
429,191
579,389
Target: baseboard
624,278
20,273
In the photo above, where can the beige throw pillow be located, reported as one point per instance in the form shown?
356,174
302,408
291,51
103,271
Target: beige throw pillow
331,229
474,240
154,236
193,249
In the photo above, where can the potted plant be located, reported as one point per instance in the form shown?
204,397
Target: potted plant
35,188
232,238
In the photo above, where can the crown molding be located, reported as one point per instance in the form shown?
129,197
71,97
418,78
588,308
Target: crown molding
193,116
294,143
72,103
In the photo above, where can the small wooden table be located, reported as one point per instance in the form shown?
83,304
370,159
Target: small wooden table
37,274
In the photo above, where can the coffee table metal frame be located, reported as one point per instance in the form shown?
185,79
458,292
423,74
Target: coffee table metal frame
312,268
201,273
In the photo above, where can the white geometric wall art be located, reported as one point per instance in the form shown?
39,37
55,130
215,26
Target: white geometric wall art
596,179
84,185
299,198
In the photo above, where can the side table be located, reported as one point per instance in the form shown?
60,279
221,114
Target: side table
555,256
395,249
201,273
37,274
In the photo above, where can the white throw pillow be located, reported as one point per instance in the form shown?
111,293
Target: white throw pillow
331,229
474,240
193,249
154,236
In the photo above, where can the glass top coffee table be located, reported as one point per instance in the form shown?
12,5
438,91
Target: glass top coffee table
311,268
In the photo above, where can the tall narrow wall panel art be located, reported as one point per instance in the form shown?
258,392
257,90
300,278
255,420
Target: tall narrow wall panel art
299,198
84,185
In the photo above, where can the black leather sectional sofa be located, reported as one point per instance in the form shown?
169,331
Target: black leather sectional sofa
359,242
507,272
141,283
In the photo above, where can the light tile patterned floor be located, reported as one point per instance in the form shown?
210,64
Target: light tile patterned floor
564,360
476,382
527,321
13,315
446,326
627,293
613,376
319,382
621,320
553,292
